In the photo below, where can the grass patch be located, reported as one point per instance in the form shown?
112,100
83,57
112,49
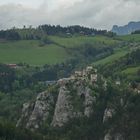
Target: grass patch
118,54
30,52
131,70
132,38
79,40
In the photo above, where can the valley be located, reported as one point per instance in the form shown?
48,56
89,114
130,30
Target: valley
69,86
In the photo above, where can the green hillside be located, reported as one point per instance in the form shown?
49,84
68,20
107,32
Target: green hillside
126,66
131,70
60,49
131,38
117,54
31,52
79,40
124,62
54,49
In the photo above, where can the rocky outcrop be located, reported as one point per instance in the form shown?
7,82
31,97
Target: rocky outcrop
74,99
63,109
108,114
127,29
34,114
113,137
72,103
88,103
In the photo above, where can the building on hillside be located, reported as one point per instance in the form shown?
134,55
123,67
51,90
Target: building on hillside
89,68
93,77
14,66
72,77
84,73
118,82
63,82
78,74
82,33
48,83
69,34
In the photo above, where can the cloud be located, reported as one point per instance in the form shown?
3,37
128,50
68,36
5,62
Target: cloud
93,13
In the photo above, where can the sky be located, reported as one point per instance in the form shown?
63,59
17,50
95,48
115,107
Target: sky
100,14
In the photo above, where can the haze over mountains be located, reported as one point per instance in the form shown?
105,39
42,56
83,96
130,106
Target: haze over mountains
126,29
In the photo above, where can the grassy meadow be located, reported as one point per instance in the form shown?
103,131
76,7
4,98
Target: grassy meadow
31,52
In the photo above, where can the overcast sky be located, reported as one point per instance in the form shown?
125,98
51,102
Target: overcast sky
101,14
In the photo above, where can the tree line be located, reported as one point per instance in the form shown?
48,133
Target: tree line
37,33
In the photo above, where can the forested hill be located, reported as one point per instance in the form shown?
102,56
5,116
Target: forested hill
37,33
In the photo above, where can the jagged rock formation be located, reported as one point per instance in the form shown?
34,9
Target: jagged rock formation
33,114
127,29
108,114
71,105
63,110
69,99
74,99
109,136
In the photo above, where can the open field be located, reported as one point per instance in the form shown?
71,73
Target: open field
79,40
131,70
117,54
33,53
30,52
132,38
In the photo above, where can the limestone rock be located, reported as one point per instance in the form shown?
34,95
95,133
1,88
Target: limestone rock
117,136
63,109
35,113
108,114
74,100
89,100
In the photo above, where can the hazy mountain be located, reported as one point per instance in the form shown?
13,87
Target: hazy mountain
126,29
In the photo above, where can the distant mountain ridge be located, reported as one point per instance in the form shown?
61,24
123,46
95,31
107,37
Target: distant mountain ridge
126,29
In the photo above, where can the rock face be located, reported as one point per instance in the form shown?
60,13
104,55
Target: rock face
34,114
67,107
114,137
127,29
72,98
108,114
63,109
